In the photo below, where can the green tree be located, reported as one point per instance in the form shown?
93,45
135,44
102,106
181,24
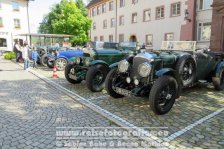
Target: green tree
80,4
67,18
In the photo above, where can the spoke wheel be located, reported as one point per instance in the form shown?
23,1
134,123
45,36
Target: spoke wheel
163,94
111,80
95,77
186,71
60,64
70,69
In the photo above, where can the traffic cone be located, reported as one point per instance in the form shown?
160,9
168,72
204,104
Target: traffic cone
55,75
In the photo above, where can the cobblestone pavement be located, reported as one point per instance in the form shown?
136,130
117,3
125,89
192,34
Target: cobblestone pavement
194,104
31,112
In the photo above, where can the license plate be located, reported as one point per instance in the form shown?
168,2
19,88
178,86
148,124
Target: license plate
123,91
72,77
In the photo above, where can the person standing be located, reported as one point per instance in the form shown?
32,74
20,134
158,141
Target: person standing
18,51
25,56
34,57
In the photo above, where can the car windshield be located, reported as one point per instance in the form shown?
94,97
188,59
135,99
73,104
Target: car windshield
128,45
102,45
178,45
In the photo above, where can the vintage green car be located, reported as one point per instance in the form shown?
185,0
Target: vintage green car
160,75
94,65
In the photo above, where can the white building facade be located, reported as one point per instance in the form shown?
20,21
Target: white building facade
150,21
13,21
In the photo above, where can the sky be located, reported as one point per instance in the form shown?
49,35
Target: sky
37,9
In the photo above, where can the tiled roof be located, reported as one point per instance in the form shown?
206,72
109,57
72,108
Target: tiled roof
92,2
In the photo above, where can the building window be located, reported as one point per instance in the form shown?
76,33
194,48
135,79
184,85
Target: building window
112,24
95,38
3,42
134,1
94,12
134,18
98,10
169,36
111,6
104,23
121,20
1,22
111,38
94,25
175,9
160,12
204,31
17,23
104,8
15,6
122,3
121,37
146,15
149,40
205,4
101,38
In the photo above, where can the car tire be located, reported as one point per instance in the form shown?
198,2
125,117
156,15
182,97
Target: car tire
184,75
44,59
50,64
165,89
219,86
60,64
109,84
95,77
68,68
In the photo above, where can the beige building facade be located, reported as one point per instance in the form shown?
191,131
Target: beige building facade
151,21
13,21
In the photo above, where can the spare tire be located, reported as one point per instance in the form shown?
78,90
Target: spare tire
186,71
44,59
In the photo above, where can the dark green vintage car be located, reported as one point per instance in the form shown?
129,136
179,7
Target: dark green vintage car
94,65
160,75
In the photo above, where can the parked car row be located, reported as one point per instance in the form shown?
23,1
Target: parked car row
126,69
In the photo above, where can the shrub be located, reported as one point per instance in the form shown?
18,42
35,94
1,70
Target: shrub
10,55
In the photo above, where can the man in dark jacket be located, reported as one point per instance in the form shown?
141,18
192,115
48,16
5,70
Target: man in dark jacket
17,50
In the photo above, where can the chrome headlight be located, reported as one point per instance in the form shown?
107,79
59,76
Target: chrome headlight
123,66
144,69
77,60
87,61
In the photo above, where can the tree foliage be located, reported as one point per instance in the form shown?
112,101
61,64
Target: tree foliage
67,18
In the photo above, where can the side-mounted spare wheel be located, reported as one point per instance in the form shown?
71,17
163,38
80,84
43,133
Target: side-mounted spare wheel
110,81
219,84
186,71
95,77
163,94
44,59
70,70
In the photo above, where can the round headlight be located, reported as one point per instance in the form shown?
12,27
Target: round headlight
87,61
123,66
144,69
77,60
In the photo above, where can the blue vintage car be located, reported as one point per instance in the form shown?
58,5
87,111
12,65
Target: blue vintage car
61,58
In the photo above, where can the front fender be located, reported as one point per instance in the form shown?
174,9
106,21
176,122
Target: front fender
61,56
165,71
114,65
99,62
219,69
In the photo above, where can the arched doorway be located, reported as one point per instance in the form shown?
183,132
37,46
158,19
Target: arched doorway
133,38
